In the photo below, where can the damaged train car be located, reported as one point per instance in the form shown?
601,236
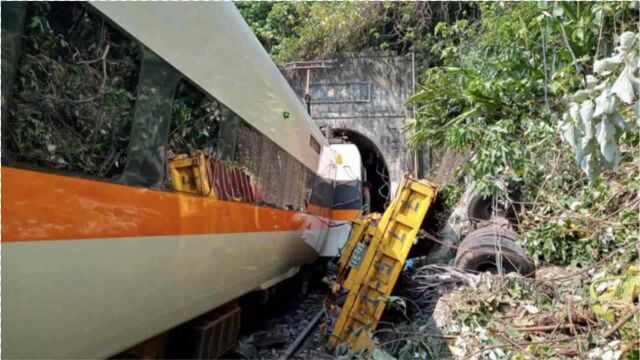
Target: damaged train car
155,167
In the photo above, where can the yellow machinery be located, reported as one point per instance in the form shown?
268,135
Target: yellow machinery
373,257
362,231
205,175
189,174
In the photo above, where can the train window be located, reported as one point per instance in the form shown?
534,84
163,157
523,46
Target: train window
201,123
195,121
315,145
74,91
228,135
13,14
319,193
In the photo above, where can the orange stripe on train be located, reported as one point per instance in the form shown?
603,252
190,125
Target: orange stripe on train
43,206
344,214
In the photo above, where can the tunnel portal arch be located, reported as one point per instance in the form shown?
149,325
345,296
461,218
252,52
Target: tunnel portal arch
376,170
366,93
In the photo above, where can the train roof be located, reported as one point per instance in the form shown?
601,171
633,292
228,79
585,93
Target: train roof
211,44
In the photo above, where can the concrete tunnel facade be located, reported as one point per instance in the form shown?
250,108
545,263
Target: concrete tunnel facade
363,97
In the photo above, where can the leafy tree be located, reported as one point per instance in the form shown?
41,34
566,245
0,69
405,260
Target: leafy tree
596,118
497,79
274,23
303,30
504,83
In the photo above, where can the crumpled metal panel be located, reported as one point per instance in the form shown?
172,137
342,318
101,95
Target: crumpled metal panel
273,189
264,173
248,148
289,184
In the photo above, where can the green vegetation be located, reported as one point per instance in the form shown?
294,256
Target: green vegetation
544,96
305,30
70,79
497,80
504,83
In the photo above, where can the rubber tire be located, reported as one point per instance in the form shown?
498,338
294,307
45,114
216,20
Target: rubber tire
477,252
480,208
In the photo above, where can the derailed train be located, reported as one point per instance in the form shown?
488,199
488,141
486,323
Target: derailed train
104,243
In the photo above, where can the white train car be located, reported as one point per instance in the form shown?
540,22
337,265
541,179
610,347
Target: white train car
100,247
348,198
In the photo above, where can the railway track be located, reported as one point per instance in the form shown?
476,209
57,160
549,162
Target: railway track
285,327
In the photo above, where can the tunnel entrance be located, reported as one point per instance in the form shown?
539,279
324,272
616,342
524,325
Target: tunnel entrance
375,167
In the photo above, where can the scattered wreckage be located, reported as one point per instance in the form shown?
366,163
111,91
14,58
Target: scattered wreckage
372,260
